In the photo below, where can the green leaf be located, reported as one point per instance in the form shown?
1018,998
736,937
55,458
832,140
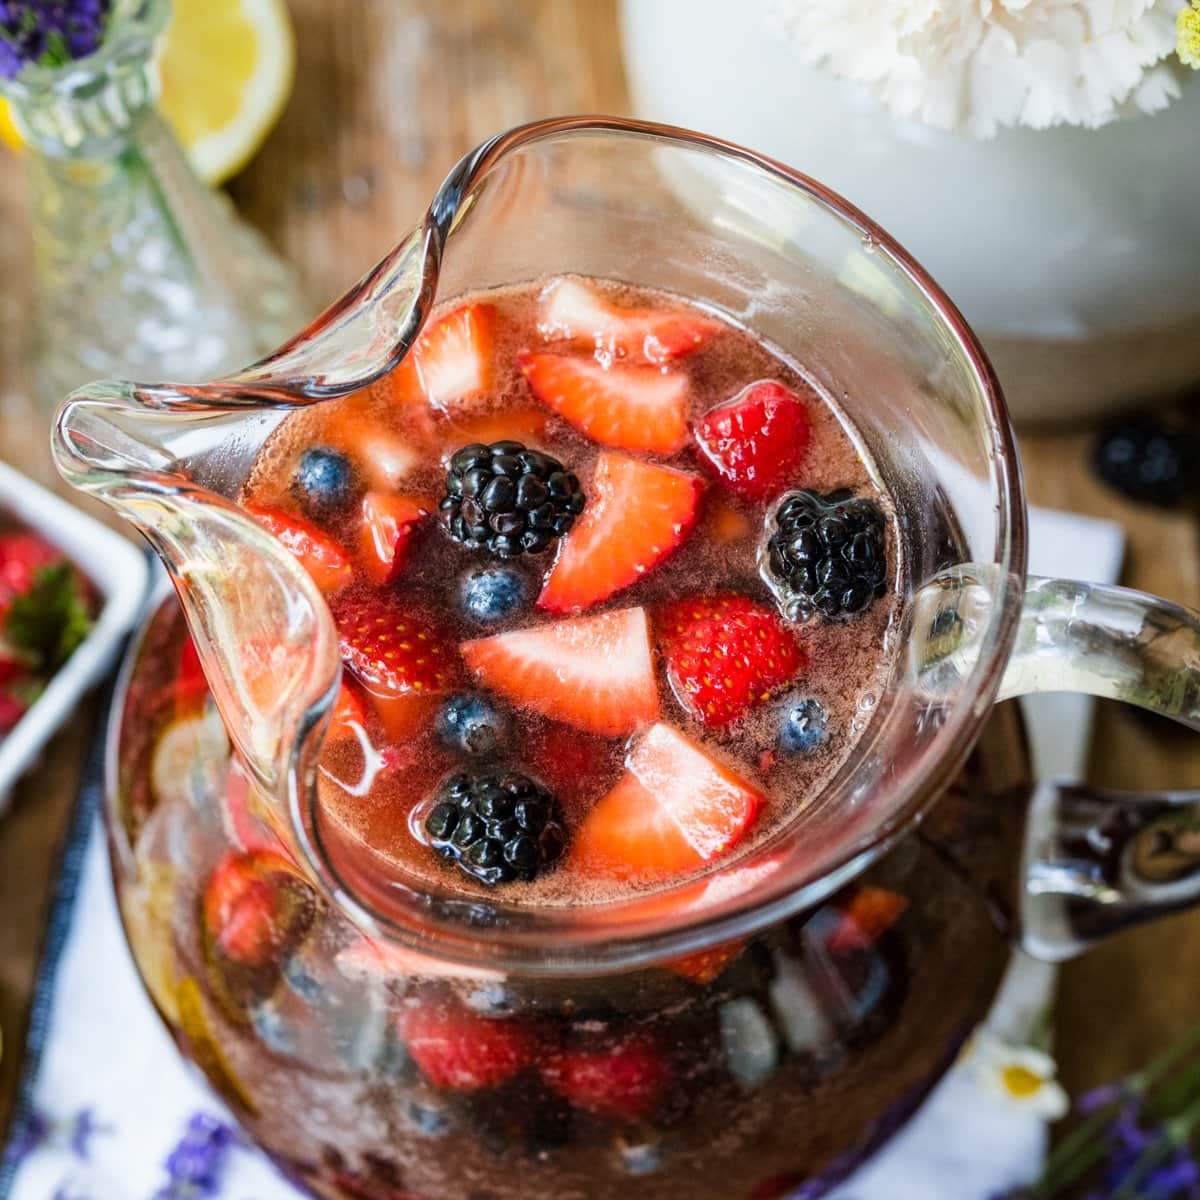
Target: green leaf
50,620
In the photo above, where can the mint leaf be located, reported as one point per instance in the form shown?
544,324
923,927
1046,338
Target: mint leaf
50,620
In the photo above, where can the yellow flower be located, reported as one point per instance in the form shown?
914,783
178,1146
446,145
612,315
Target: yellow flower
1187,24
1020,1075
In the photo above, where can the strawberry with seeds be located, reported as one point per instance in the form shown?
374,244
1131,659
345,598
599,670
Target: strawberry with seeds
393,650
675,809
637,514
596,673
756,442
632,408
571,312
726,655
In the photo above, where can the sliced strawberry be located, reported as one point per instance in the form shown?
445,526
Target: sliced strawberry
393,650
386,532
190,687
636,515
757,441
22,555
866,915
572,312
254,906
625,1079
316,552
632,408
596,673
706,965
349,713
452,359
462,1052
674,810
725,655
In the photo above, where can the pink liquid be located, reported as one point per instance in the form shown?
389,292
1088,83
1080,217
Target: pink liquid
377,811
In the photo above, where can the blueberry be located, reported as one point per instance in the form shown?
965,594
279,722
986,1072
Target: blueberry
324,480
470,724
493,593
802,725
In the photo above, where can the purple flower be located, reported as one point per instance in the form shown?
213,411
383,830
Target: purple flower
195,1166
74,1133
49,32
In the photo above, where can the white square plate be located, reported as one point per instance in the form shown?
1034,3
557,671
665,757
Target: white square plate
119,571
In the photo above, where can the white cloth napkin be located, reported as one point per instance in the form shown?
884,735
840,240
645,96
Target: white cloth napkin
111,1083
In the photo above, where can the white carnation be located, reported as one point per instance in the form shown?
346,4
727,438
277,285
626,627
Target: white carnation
976,66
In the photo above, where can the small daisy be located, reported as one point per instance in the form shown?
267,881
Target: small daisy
1023,1076
1187,25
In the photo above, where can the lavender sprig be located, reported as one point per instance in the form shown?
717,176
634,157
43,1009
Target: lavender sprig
1136,1140
195,1166
49,32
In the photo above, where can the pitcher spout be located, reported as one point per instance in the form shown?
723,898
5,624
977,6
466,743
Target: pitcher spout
172,460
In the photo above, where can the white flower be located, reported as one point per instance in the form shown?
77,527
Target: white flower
976,66
1020,1075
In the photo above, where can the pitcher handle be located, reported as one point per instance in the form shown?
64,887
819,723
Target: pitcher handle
1101,860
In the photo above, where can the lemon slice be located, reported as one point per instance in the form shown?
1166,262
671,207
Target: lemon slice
226,68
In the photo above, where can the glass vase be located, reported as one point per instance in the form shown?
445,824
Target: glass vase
139,266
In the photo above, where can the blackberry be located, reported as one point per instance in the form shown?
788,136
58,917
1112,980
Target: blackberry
826,554
1148,460
496,825
508,500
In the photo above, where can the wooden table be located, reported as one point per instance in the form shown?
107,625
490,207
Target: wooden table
389,94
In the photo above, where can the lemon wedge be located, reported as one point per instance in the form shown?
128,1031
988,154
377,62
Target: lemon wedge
227,68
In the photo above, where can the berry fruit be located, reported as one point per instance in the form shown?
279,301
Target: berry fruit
595,673
632,408
675,809
725,655
624,1079
637,515
386,533
756,442
1147,460
802,725
490,594
827,554
393,650
571,312
324,481
461,1052
507,499
496,825
451,363
317,552
255,907
470,724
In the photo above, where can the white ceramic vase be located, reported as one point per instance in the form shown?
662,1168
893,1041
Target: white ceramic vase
1074,252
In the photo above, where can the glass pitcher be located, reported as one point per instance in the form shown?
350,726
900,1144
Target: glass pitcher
790,1008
